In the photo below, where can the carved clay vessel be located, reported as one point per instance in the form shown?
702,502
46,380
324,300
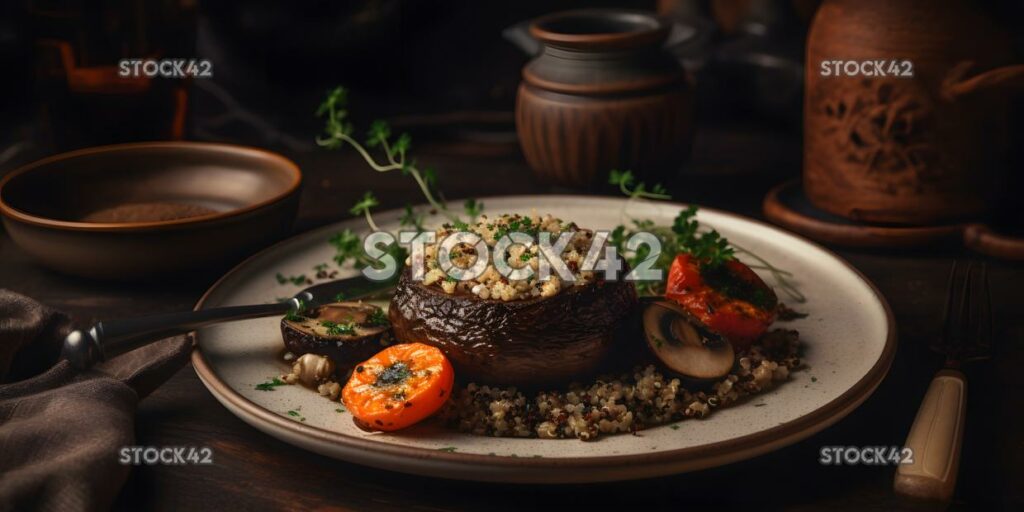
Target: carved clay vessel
603,94
898,149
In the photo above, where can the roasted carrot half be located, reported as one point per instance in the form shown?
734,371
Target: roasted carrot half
401,385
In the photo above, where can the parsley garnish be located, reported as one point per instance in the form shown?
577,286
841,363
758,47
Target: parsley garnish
710,248
337,329
270,385
396,373
377,318
473,208
349,247
296,280
411,218
449,449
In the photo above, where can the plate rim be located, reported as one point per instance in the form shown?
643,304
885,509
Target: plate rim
657,463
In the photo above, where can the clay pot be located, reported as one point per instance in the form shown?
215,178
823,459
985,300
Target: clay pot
907,150
603,94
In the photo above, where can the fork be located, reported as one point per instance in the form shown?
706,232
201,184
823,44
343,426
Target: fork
937,433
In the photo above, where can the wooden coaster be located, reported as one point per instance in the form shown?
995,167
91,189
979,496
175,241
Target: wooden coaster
787,206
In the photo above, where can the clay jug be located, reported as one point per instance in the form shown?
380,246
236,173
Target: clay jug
927,142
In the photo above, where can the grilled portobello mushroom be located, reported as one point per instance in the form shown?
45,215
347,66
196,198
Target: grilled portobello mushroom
528,343
346,332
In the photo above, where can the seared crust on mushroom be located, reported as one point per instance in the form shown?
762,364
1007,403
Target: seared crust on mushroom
530,343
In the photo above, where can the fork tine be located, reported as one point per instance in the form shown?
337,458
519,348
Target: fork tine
963,328
947,312
985,313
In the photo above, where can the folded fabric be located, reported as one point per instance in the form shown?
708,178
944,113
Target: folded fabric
61,429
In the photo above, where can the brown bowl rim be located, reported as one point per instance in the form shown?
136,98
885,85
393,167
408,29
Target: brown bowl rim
283,162
660,29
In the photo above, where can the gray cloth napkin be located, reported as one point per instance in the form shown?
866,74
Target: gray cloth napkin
60,429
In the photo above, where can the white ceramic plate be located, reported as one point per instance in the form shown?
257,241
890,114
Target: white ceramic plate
849,338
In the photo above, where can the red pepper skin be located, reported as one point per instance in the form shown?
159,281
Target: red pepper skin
740,321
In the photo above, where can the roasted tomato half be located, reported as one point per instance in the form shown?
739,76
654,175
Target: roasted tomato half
728,298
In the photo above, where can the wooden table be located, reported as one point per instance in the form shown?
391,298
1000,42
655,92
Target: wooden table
731,169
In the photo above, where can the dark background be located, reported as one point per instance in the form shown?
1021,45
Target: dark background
439,69
443,71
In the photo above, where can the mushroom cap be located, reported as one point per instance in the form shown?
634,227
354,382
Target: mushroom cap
684,345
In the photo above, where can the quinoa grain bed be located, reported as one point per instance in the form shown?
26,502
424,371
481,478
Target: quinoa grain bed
631,402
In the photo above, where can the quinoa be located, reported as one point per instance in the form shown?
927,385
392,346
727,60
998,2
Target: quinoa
491,284
627,403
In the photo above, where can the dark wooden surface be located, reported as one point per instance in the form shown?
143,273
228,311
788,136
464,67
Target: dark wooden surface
731,168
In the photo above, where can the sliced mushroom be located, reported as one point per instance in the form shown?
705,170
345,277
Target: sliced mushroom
346,332
683,344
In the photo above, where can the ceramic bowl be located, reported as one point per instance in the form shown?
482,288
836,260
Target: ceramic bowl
150,209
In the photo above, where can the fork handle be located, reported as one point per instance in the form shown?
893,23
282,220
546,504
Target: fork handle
935,440
86,347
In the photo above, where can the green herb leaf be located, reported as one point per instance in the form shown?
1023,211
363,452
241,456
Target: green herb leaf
412,218
473,208
348,246
296,280
430,177
710,248
401,146
367,202
377,318
339,329
378,134
270,385
621,178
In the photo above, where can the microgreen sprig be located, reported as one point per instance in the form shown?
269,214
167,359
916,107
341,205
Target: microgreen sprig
338,131
625,179
363,208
